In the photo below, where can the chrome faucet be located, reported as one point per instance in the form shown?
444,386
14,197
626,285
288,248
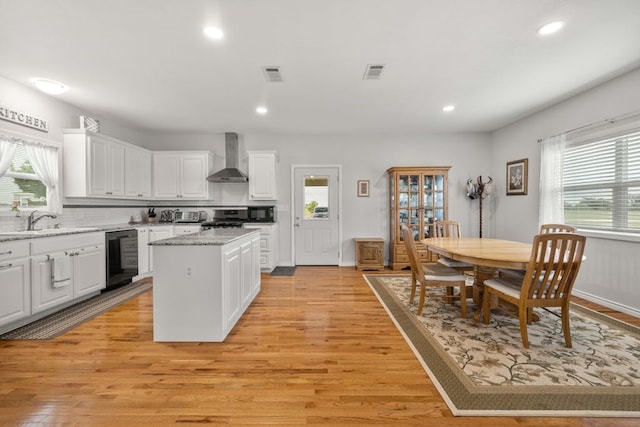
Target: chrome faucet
31,221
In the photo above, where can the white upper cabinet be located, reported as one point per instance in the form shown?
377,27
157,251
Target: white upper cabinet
137,172
96,165
106,166
181,174
262,175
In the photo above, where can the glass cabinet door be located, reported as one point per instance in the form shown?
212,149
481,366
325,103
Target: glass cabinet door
417,199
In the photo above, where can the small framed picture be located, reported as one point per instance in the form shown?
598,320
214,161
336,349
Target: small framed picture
363,188
517,177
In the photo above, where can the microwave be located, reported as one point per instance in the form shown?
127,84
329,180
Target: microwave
190,216
262,214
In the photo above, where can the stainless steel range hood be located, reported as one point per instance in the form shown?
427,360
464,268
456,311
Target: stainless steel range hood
230,173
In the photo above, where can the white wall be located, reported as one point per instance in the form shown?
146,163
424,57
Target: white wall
611,272
368,157
59,114
361,157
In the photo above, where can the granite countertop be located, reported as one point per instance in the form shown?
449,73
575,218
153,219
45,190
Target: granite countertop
8,236
215,236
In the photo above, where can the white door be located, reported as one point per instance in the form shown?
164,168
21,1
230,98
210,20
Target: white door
316,225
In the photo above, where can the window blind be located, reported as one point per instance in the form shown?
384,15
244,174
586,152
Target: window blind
601,183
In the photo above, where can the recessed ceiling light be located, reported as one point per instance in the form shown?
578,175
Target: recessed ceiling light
262,110
51,87
214,33
550,28
448,108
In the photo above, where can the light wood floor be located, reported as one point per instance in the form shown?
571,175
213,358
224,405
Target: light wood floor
315,348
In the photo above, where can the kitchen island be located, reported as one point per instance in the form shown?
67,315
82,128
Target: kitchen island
203,283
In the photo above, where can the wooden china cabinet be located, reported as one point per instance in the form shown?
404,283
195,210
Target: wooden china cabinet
417,198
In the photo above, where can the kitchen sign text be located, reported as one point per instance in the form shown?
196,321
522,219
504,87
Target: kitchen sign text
23,119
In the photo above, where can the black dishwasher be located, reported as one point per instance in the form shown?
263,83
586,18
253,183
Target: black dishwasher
122,257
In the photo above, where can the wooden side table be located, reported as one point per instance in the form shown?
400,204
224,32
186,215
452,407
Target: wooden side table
369,253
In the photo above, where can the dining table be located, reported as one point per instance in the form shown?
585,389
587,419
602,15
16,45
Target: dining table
486,256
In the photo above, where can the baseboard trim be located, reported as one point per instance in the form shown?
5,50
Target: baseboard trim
607,303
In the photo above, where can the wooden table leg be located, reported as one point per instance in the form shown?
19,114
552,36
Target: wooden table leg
481,274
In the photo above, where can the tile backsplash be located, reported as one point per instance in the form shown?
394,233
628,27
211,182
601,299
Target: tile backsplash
75,217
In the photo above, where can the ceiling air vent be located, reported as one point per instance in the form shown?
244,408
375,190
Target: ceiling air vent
373,71
272,74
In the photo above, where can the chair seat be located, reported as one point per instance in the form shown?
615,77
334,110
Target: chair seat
442,273
506,286
453,263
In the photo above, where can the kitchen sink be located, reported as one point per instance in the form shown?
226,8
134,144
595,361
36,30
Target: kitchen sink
48,231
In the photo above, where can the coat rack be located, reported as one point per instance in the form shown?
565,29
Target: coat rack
479,190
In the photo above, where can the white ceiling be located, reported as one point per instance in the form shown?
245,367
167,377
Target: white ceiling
147,62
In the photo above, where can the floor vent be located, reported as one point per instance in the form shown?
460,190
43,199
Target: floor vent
272,74
373,71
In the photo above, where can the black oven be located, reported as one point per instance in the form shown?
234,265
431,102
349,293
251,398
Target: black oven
122,257
262,214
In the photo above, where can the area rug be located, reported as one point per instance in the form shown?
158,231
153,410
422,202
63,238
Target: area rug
283,271
483,370
66,319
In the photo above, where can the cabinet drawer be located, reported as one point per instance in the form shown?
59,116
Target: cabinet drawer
401,258
265,260
61,243
265,244
11,250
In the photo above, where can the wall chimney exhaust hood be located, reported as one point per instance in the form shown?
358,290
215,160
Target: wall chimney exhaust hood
230,173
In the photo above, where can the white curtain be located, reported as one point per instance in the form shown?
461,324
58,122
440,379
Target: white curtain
551,166
7,151
44,160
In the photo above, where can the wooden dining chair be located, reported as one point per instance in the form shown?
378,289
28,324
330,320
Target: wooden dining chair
544,229
432,275
547,282
449,228
556,228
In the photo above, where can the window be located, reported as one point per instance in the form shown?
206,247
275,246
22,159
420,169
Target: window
20,186
316,197
601,183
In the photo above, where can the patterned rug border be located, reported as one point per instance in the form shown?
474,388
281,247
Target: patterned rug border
465,399
58,323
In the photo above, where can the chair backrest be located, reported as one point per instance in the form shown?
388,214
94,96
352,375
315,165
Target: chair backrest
412,252
553,267
447,228
556,228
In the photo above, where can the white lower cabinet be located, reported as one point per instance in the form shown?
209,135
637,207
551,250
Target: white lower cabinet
15,282
45,294
80,260
143,251
231,286
200,291
268,245
43,275
89,270
145,254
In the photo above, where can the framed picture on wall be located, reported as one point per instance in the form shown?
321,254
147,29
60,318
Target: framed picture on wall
517,177
363,188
